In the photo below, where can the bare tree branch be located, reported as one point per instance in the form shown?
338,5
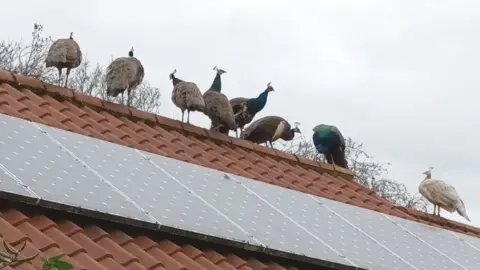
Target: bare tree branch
368,172
29,59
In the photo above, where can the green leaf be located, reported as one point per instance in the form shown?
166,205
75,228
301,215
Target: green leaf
63,265
55,258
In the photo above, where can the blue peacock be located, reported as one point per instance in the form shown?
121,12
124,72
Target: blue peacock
245,109
329,141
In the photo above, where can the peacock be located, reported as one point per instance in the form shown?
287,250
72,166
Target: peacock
64,53
124,73
186,96
245,109
269,129
217,106
329,141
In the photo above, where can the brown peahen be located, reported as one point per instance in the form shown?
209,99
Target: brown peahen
217,106
186,96
124,73
269,129
64,53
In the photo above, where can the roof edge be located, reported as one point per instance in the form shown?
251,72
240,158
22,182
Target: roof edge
441,222
61,94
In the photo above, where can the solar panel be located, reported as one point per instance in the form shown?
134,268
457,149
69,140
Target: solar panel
52,174
322,223
399,241
445,242
263,224
38,161
132,174
473,242
11,184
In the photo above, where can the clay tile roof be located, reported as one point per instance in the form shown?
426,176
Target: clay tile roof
92,247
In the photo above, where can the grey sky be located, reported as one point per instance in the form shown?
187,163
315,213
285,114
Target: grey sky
399,76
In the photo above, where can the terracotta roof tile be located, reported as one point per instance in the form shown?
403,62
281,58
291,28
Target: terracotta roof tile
91,247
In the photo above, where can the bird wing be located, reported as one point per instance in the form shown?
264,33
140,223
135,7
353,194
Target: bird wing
217,107
335,130
442,194
279,130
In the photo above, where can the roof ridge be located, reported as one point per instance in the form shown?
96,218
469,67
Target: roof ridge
61,93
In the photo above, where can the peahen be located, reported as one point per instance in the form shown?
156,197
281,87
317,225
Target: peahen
186,96
124,73
245,109
269,129
217,106
329,141
64,53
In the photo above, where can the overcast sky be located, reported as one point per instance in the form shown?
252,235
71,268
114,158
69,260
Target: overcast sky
399,76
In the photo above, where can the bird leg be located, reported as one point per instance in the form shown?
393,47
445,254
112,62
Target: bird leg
66,79
236,133
438,209
183,112
271,145
188,117
434,208
128,97
59,76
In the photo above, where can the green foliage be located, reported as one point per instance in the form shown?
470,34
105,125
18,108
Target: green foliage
55,263
368,172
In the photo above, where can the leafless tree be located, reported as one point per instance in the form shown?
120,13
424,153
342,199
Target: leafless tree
28,58
368,172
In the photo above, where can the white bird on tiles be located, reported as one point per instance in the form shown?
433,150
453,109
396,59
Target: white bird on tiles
441,195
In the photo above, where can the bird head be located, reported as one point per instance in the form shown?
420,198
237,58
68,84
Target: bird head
130,53
219,71
296,129
270,88
428,173
172,74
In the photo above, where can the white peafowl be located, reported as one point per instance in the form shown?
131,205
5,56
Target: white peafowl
269,129
64,53
245,109
218,108
186,96
124,73
441,195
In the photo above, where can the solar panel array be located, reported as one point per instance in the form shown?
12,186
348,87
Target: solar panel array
52,165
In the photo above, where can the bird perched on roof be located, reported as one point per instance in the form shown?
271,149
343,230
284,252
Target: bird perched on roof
124,73
217,106
441,195
245,109
64,53
186,96
329,141
269,129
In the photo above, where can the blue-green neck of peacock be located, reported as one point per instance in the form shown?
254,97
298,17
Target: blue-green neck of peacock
217,84
254,105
